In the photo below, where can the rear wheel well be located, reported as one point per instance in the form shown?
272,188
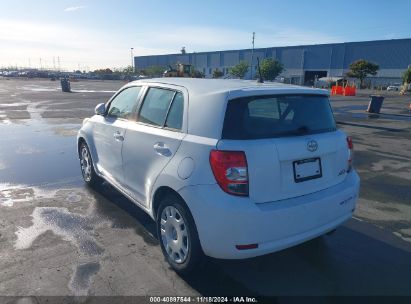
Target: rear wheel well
159,194
166,197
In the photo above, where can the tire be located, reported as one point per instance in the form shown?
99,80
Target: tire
178,235
90,176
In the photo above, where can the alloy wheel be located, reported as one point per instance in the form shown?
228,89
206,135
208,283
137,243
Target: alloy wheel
85,162
174,234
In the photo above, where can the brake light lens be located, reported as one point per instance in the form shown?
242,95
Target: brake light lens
230,171
246,247
350,153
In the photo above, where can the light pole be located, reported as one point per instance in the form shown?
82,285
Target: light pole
252,56
132,59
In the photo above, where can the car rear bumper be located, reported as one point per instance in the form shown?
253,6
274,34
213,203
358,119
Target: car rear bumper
224,221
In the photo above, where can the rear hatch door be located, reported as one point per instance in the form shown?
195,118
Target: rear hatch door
291,143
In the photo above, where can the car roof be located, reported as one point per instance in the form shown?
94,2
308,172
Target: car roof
208,98
200,86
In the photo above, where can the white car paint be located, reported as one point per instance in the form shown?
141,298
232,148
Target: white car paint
278,213
394,88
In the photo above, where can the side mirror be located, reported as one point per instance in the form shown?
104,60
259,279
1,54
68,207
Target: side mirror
100,109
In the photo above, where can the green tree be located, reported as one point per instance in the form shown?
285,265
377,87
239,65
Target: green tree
240,69
360,69
154,70
217,73
103,71
196,73
407,76
129,70
270,68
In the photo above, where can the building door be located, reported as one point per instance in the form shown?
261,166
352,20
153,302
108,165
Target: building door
311,76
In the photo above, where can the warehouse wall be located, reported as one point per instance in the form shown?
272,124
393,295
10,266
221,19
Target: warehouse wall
393,57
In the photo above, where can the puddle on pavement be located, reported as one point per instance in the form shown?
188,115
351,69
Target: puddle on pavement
82,277
34,153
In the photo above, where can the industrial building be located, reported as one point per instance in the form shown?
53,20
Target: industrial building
304,63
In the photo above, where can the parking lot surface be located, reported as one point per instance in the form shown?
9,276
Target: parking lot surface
59,238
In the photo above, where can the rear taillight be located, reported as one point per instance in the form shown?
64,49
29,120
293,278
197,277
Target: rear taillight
350,154
246,247
230,171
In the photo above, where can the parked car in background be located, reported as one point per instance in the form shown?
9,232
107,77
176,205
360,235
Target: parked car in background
395,87
227,168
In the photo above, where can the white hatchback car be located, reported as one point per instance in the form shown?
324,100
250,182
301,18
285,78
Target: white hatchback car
395,87
227,168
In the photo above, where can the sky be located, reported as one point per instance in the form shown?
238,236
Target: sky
91,34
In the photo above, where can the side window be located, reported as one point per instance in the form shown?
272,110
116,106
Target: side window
122,105
155,106
175,115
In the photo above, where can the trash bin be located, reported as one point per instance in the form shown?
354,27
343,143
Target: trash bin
65,85
375,104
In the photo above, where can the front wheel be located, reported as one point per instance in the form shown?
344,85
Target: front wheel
178,235
86,164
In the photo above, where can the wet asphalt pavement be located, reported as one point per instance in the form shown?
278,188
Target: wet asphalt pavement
58,237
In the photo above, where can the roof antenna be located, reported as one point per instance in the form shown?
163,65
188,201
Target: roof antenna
260,78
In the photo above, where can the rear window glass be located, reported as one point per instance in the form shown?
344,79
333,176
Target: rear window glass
175,115
155,106
276,116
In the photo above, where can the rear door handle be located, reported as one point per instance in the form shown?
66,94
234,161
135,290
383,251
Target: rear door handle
118,136
162,149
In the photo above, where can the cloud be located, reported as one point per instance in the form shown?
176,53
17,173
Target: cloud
74,8
24,41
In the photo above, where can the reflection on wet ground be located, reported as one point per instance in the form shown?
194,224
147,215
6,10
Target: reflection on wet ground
33,153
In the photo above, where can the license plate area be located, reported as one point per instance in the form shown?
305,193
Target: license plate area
306,169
